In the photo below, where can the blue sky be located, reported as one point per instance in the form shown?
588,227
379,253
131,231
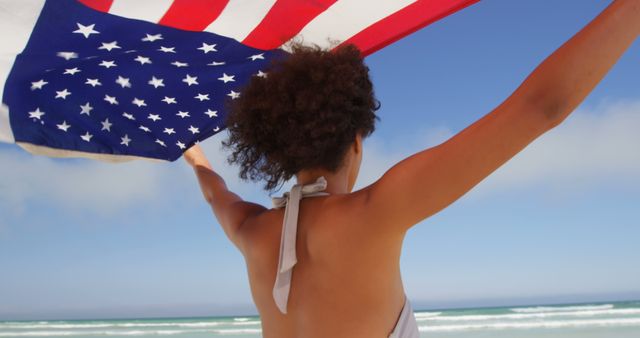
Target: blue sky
557,223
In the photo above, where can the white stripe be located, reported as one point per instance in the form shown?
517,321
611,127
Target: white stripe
55,152
17,19
5,128
147,10
345,19
240,17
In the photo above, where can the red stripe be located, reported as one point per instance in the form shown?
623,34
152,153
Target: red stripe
404,22
98,5
283,21
192,15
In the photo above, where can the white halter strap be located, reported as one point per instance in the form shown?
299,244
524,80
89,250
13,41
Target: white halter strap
288,258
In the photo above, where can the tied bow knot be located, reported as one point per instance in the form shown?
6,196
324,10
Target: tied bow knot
287,259
306,190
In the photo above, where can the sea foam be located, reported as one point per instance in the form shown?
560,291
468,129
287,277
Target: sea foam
562,308
534,325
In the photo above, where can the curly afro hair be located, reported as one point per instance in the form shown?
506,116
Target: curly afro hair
303,115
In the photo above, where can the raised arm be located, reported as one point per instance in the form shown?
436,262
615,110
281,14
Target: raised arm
230,210
428,181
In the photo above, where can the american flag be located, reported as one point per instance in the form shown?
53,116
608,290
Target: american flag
123,79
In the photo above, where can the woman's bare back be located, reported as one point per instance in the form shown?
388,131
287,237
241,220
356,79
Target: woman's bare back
346,282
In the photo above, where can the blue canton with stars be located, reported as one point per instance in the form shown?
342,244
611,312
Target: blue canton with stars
99,83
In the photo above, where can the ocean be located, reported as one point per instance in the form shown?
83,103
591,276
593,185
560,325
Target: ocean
602,320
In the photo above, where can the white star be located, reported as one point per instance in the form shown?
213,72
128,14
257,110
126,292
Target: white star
138,102
129,116
156,82
169,100
169,131
152,38
181,145
38,84
142,59
68,55
202,97
183,114
154,117
107,64
85,30
86,109
93,82
123,81
72,71
125,140
87,137
110,45
63,94
145,129
256,57
36,114
167,49
179,64
106,125
110,99
261,74
63,126
208,48
211,113
158,141
194,130
216,128
233,95
226,78
215,63
190,80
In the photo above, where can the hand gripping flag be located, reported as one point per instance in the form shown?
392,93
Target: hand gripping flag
123,79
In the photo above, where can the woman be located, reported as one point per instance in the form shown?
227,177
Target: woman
339,275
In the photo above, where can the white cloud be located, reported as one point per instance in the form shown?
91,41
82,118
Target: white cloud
75,185
91,187
591,147
379,156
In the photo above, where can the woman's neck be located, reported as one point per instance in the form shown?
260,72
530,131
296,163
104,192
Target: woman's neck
337,183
